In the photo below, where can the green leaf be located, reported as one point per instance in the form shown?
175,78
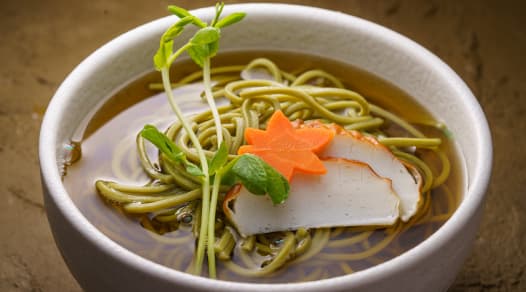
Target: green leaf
171,33
212,49
176,29
228,177
181,13
277,186
193,169
162,142
168,147
178,11
198,54
219,10
250,170
257,176
205,44
206,36
160,58
220,158
230,19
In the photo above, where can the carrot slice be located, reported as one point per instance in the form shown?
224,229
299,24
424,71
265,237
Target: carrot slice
288,149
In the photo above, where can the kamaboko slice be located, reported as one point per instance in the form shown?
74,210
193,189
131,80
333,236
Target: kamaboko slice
353,145
349,194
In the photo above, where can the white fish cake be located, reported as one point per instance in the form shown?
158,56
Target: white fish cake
352,145
349,194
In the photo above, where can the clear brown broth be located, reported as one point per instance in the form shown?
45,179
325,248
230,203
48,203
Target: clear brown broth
124,114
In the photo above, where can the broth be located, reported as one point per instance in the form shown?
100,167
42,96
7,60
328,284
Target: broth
119,120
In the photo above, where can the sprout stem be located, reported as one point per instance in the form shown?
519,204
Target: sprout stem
217,179
211,226
204,167
211,101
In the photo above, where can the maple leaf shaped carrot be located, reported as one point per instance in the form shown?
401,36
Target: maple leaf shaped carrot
288,149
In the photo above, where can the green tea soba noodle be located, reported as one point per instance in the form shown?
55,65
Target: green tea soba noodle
173,196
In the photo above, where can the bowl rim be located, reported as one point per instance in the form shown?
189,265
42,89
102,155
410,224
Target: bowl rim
469,205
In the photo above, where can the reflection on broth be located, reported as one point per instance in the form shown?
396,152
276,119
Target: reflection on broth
109,152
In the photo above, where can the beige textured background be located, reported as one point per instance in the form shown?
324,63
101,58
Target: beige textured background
41,41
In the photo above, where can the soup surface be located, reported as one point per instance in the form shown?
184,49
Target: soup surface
109,152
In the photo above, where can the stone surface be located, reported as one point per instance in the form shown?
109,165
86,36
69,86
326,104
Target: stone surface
483,41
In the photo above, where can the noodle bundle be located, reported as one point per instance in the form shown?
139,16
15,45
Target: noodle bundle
169,204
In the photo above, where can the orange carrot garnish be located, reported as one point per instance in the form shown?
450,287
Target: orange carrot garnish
288,149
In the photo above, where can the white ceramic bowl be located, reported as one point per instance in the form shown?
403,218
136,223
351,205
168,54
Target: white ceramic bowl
99,264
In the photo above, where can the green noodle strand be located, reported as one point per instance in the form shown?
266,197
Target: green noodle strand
303,96
162,204
407,142
314,74
278,261
268,65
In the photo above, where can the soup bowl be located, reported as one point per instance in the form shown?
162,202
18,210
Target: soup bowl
100,264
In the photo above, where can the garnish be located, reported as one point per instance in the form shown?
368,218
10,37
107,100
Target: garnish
168,147
288,149
257,176
219,160
201,47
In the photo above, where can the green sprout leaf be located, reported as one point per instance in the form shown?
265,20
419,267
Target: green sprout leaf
204,44
178,11
176,29
206,36
193,169
199,53
258,177
230,19
219,10
160,59
182,13
162,142
220,158
168,147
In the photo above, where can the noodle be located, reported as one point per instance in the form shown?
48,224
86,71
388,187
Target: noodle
172,198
